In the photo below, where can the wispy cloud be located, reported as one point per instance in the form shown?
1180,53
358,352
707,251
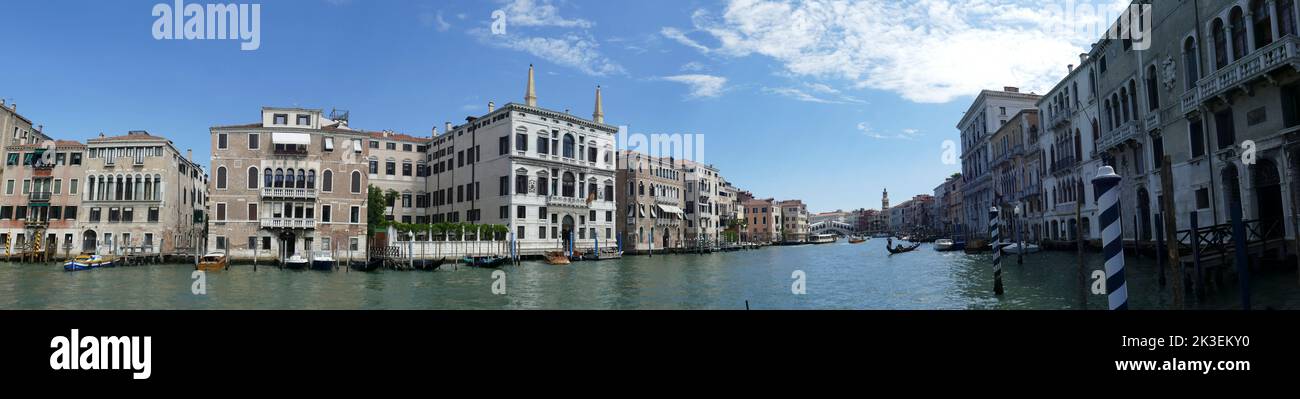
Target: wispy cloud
906,134
814,93
578,51
434,19
694,66
680,37
540,13
921,50
702,86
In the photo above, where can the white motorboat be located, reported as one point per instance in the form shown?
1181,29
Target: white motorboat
1015,248
943,244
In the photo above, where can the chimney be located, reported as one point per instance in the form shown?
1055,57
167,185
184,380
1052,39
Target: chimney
435,131
40,128
1011,89
448,127
1069,68
189,154
598,115
492,106
1083,58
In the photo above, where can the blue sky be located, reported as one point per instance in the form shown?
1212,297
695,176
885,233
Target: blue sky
825,102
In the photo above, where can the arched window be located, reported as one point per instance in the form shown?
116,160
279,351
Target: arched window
1263,23
568,146
1123,100
1133,97
568,184
267,180
279,178
327,181
1190,64
252,177
356,182
311,179
288,178
221,178
157,187
302,178
1220,44
1239,43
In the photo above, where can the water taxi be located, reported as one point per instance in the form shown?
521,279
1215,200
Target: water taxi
1016,249
603,254
856,240
943,244
322,261
87,262
213,261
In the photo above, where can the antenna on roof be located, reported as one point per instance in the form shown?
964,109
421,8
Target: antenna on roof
339,115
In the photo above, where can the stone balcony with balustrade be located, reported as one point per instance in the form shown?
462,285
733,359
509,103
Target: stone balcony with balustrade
288,193
1240,73
1118,136
288,223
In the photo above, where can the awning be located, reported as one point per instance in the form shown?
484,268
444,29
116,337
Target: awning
291,138
671,209
356,145
329,143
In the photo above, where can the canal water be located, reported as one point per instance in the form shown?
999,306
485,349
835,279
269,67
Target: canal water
836,276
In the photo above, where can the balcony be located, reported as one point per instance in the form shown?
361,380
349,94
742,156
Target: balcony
1058,118
283,223
1240,73
1065,164
288,193
1125,132
39,197
1152,121
570,202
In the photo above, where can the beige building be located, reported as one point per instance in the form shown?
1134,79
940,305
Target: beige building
794,221
652,202
294,183
396,163
763,224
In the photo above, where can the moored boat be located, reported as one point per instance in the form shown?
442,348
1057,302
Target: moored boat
213,261
857,240
322,261
87,262
1016,249
557,258
490,262
296,262
366,265
429,264
822,239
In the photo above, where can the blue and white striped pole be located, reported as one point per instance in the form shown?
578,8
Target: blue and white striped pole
1107,183
997,250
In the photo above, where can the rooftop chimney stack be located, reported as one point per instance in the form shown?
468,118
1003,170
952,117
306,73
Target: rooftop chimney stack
435,131
599,115
189,154
1069,68
448,127
492,106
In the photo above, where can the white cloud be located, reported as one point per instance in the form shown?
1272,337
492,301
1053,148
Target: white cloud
581,52
905,134
702,86
928,51
680,37
814,93
694,66
540,13
434,19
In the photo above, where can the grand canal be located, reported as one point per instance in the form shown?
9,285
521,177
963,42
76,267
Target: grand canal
836,276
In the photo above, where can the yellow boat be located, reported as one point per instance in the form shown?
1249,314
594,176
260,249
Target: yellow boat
213,261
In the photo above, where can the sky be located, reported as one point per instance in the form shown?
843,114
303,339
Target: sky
825,101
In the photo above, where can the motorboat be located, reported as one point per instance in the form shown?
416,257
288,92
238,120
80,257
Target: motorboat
557,258
322,261
1016,249
857,240
213,261
87,262
296,262
943,244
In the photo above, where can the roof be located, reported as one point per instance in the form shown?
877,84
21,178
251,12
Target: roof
133,136
399,137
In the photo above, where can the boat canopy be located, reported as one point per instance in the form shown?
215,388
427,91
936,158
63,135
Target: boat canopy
291,138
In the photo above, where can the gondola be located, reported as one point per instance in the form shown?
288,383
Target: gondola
901,249
367,266
490,262
429,265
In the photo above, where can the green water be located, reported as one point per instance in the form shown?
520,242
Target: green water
837,276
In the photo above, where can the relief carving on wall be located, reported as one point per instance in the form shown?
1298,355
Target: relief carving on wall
1169,70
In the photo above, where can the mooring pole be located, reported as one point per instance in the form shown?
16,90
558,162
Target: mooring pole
1239,246
1171,228
1020,240
1112,237
1081,270
1160,249
1198,286
997,250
